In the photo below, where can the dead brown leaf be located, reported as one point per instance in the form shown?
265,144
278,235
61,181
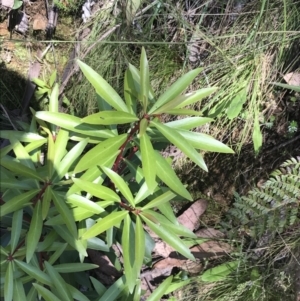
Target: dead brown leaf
292,78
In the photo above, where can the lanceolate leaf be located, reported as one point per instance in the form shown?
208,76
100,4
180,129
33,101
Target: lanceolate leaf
219,272
161,290
174,137
46,294
128,253
69,159
142,193
130,92
65,212
167,211
59,283
144,72
19,292
113,219
110,117
74,267
103,88
12,183
74,124
85,203
140,245
163,198
60,146
114,290
98,154
205,142
148,162
21,136
35,230
119,183
17,202
97,190
34,272
179,86
188,123
9,283
47,197
165,172
237,104
169,237
184,112
195,96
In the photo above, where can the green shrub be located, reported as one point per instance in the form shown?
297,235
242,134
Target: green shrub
70,184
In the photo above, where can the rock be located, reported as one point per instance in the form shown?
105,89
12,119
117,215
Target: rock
39,22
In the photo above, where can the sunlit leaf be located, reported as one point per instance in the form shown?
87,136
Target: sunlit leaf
237,103
163,198
257,135
205,142
17,202
98,154
169,237
82,202
161,290
113,219
179,86
74,124
21,136
46,294
131,8
59,283
34,272
178,140
188,123
165,172
102,87
65,212
119,183
97,190
144,73
35,230
148,162
142,194
139,245
168,212
219,272
110,117
60,146
130,92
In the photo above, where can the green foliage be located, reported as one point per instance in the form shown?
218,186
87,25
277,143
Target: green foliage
275,206
70,184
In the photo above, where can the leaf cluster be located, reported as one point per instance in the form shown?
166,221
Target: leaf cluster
69,184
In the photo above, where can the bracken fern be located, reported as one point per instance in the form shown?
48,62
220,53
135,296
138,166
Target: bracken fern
275,206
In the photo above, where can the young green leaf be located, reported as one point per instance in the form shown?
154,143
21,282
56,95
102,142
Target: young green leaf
102,87
100,153
46,294
168,236
205,142
21,136
178,140
188,123
65,212
59,283
119,183
74,124
9,283
17,202
35,230
97,190
107,222
34,272
16,228
145,82
128,253
165,172
142,194
110,117
60,146
219,272
161,290
148,162
179,86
